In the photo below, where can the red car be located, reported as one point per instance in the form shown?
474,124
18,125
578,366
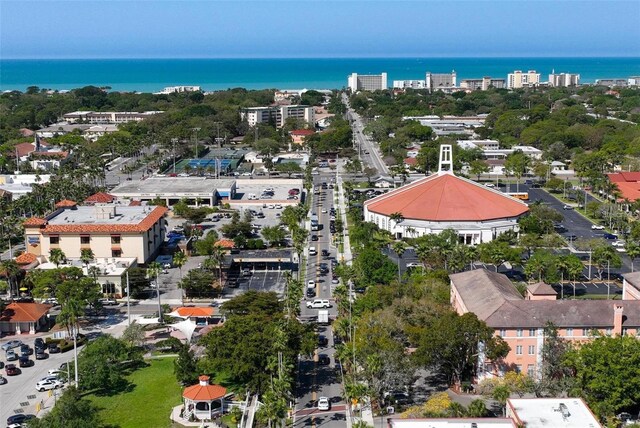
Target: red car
12,370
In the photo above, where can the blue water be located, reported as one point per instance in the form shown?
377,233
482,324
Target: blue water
148,75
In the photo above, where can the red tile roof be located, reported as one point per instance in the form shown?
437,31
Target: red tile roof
66,203
143,226
224,243
204,392
50,154
24,149
411,161
628,184
135,203
34,221
193,311
446,197
100,198
26,259
302,132
24,312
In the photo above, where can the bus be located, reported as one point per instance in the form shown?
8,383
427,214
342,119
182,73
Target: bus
523,196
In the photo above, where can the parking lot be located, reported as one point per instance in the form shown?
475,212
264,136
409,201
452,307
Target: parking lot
252,191
259,280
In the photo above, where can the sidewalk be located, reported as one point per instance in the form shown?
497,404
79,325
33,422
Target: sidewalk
343,206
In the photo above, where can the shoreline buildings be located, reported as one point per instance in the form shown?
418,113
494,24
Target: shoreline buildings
563,79
367,82
277,114
518,79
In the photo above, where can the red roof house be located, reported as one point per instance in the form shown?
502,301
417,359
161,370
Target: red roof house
628,184
18,318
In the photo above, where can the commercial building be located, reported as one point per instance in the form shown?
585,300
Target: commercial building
367,82
105,117
451,423
109,231
564,79
482,84
440,81
628,184
520,321
551,413
196,191
448,125
443,201
409,84
21,184
277,114
491,149
518,79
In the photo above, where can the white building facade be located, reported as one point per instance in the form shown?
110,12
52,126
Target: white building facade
367,82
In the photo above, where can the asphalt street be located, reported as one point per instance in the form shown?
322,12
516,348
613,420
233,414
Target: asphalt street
315,380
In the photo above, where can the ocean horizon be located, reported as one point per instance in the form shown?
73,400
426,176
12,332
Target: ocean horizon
151,75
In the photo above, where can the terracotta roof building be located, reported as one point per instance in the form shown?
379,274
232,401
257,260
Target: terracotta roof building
20,318
628,184
66,203
204,401
521,322
445,201
110,231
99,198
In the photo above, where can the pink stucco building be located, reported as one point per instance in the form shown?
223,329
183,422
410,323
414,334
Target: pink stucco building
520,321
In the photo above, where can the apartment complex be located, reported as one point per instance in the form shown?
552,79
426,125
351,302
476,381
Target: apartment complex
109,231
178,89
367,82
613,82
440,81
520,321
277,114
564,79
518,79
107,117
482,84
409,84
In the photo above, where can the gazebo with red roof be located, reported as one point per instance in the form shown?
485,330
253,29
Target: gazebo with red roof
204,401
443,201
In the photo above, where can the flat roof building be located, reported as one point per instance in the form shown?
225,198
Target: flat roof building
440,81
564,79
196,190
409,84
450,423
518,79
277,114
551,413
367,82
101,117
482,84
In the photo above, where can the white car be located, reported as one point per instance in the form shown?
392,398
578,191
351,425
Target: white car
414,265
45,385
324,403
319,304
597,227
313,251
489,185
55,372
619,244
311,284
324,211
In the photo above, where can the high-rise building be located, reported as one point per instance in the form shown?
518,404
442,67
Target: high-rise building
440,81
482,84
564,79
367,82
409,84
277,114
518,79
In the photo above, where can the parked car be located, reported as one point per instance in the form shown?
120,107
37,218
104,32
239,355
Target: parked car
324,403
311,284
325,253
319,304
323,360
41,354
20,418
311,292
246,272
609,236
39,344
45,385
597,227
11,344
618,244
108,301
54,348
25,362
25,349
11,355
567,207
3,380
314,237
414,265
11,370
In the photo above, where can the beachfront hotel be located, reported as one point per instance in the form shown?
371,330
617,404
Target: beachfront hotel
367,82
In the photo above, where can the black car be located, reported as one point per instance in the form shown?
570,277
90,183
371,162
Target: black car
25,362
323,341
19,418
54,348
41,354
311,292
314,237
39,344
323,360
25,350
325,253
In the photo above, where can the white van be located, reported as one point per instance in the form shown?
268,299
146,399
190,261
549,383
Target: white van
313,251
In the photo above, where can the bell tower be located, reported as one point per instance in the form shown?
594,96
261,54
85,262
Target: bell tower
445,165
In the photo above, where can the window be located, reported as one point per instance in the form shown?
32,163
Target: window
519,332
503,333
585,332
115,240
519,350
54,240
518,368
85,240
532,332
569,332
532,349
531,370
609,331
116,253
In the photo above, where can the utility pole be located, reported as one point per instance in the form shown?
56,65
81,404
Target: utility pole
174,140
129,297
75,353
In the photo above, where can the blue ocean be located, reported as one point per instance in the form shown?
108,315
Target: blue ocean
149,75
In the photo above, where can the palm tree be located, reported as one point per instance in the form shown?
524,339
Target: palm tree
57,256
179,259
86,255
574,270
399,248
153,271
562,263
11,270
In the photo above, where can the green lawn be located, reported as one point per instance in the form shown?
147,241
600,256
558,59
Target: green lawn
155,392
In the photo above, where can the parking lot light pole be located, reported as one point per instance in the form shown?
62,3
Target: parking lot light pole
75,354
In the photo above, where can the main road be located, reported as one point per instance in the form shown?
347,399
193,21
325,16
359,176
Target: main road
317,380
367,148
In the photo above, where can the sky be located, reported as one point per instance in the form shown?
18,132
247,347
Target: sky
308,29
